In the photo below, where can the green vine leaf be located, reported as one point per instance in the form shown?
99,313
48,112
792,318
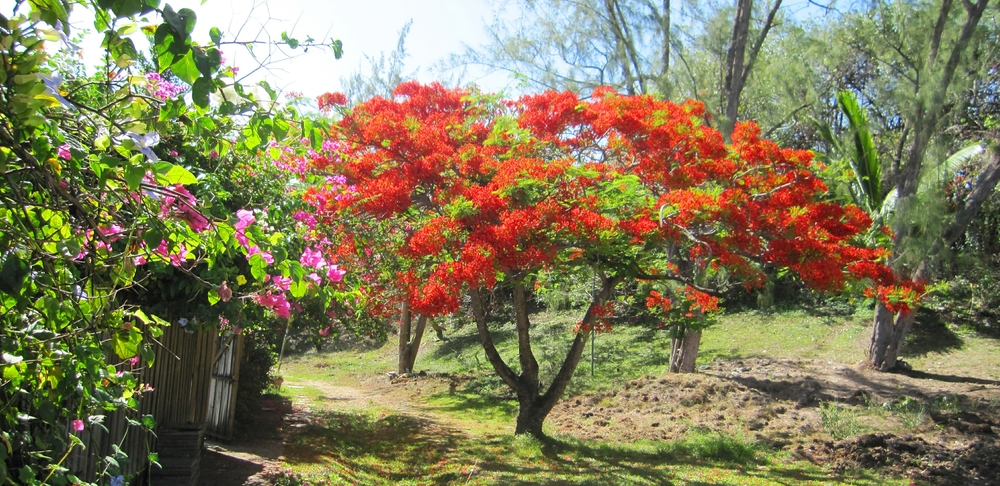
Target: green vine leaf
13,274
216,35
186,68
176,175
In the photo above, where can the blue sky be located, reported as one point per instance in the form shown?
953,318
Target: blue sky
440,28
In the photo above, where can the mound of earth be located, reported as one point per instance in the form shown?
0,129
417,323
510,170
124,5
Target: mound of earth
977,463
777,402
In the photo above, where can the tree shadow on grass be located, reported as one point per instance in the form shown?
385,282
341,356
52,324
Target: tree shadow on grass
471,402
949,378
930,334
362,446
458,344
387,448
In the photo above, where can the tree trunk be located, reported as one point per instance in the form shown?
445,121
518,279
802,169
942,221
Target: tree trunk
409,342
529,366
765,295
530,416
626,48
665,70
739,63
534,406
684,351
889,332
733,83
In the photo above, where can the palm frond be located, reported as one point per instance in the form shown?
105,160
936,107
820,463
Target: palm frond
864,157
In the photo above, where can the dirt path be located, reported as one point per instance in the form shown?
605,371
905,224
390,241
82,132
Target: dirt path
248,462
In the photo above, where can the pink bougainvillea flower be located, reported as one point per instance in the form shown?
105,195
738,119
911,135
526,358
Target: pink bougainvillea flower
312,258
175,258
180,203
162,88
314,277
114,231
254,250
282,283
63,152
163,248
195,220
304,217
246,218
276,302
335,274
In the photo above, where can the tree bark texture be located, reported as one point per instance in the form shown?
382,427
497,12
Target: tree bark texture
684,351
409,339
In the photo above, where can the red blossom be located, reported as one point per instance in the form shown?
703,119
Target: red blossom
327,101
469,189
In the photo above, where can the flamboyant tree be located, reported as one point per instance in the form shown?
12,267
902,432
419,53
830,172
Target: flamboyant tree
486,191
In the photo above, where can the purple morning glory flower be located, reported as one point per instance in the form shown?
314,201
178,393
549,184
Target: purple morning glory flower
52,82
145,143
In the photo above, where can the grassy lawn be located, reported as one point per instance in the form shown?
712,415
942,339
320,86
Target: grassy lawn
464,435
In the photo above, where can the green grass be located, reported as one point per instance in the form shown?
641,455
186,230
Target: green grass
468,439
383,448
844,422
794,334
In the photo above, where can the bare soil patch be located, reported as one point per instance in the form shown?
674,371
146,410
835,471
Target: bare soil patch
778,402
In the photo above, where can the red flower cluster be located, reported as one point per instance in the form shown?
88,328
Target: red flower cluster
897,298
656,301
599,316
462,188
327,101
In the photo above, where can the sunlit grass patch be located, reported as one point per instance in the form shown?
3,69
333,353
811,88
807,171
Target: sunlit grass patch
470,406
842,421
717,446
